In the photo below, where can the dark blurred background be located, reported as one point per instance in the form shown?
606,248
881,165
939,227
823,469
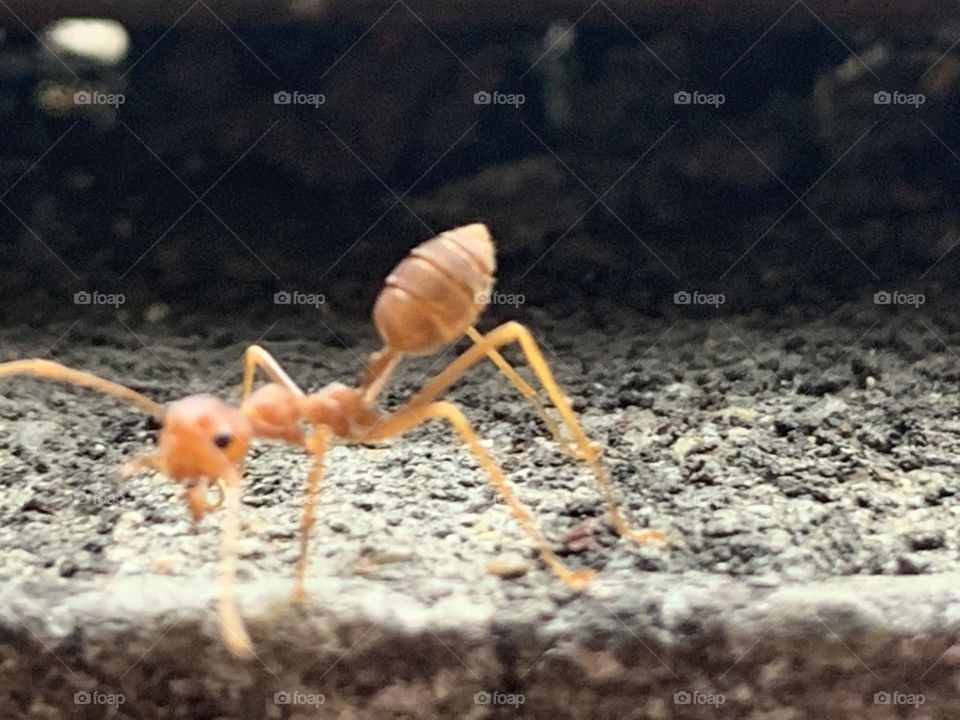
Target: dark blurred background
198,158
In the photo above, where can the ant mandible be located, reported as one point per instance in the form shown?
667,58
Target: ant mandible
429,301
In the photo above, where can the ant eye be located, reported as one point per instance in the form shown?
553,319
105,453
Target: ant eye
222,440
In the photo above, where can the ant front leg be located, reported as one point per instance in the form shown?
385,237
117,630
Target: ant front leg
55,371
257,357
229,489
406,418
195,492
232,629
514,332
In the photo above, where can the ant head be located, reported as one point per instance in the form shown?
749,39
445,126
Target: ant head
202,437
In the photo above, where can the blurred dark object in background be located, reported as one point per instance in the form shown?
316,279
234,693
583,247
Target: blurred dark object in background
616,153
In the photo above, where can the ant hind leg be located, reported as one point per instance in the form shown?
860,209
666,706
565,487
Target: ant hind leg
514,332
406,418
530,394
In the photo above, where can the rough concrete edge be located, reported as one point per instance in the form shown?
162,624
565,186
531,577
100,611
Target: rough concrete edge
632,642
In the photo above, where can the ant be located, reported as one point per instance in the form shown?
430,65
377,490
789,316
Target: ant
429,301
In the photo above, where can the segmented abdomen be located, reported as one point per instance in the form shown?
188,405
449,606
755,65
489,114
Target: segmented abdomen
436,293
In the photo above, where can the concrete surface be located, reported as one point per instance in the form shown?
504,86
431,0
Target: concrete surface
802,467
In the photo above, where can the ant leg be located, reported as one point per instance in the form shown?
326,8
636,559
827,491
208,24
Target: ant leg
151,461
232,629
379,367
195,496
221,497
530,394
515,332
406,418
56,371
231,625
257,357
317,446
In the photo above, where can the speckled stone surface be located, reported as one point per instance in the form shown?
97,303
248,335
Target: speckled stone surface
802,468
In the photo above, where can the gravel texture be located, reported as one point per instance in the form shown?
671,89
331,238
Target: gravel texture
801,467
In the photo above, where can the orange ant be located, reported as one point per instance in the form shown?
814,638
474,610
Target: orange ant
430,300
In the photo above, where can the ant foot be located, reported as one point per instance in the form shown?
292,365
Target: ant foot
240,647
137,465
578,579
235,636
128,469
299,594
574,452
645,536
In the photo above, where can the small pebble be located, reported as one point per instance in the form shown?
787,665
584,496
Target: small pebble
925,539
508,566
911,564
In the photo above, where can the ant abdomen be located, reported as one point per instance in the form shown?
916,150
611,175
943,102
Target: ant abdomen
437,292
